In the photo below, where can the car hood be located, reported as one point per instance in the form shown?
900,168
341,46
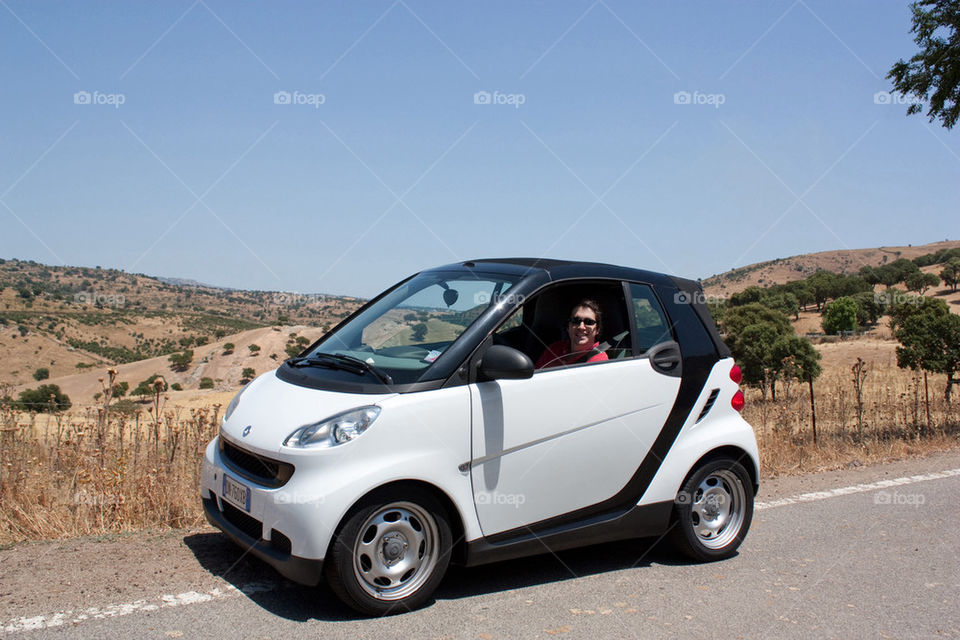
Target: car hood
273,409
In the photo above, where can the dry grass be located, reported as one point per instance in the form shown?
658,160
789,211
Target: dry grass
97,472
889,422
93,473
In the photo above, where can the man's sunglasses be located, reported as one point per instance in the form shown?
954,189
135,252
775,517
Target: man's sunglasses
576,320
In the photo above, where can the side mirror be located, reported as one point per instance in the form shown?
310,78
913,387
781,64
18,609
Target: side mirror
500,362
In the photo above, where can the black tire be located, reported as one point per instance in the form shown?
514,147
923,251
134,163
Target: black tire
390,552
713,511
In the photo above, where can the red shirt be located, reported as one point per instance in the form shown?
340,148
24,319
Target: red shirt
559,353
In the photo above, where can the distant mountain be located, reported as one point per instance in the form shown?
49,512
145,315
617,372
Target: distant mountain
782,270
69,319
186,282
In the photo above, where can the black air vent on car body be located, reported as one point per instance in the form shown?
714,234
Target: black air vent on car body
709,404
248,524
254,467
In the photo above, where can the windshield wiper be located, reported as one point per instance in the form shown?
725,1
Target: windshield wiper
343,362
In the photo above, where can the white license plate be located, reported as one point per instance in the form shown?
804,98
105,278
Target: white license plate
235,493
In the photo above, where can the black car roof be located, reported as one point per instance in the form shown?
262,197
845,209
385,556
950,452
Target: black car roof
561,269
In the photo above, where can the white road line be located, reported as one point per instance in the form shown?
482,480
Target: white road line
115,610
857,488
229,591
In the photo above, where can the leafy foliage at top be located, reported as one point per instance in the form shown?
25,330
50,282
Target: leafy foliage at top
933,74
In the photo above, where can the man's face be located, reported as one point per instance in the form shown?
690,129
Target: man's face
582,329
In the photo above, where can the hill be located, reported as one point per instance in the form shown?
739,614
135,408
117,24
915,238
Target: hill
783,270
72,319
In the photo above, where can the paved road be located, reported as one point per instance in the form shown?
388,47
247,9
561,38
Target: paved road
873,561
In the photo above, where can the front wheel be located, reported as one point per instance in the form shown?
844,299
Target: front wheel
390,553
713,509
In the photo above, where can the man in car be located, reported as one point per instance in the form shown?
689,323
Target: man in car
581,345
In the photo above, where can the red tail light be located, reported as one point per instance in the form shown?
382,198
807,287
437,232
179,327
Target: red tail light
737,401
735,374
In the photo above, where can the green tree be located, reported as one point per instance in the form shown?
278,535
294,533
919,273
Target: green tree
933,74
823,286
920,281
950,274
869,307
247,375
181,361
419,332
751,331
930,341
206,383
254,348
798,359
46,398
755,356
41,374
735,319
840,315
228,348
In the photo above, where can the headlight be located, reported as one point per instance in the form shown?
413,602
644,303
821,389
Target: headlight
233,403
335,430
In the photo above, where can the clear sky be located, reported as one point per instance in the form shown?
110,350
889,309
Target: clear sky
327,147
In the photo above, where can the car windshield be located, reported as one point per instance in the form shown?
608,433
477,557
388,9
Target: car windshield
399,337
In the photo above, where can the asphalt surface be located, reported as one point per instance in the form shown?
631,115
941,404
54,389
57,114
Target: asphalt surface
876,563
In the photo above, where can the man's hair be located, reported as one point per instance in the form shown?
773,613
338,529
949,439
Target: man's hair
593,306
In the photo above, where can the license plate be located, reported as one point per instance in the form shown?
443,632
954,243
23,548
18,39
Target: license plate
235,493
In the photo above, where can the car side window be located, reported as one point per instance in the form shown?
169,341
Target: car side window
650,322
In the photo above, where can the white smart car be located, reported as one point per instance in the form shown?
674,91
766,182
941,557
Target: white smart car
419,432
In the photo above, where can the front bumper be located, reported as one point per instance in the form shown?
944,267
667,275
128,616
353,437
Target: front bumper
301,570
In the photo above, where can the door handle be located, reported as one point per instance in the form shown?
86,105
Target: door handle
666,358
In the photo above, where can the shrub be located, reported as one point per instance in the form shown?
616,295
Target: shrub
254,348
41,374
248,375
206,383
145,388
840,315
46,398
176,386
181,361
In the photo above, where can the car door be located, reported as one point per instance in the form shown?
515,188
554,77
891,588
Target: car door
568,437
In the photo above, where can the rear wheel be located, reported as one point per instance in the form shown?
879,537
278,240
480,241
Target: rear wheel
390,553
713,509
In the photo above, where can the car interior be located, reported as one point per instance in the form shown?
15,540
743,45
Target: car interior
543,319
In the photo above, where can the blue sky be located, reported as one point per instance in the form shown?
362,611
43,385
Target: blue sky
338,147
